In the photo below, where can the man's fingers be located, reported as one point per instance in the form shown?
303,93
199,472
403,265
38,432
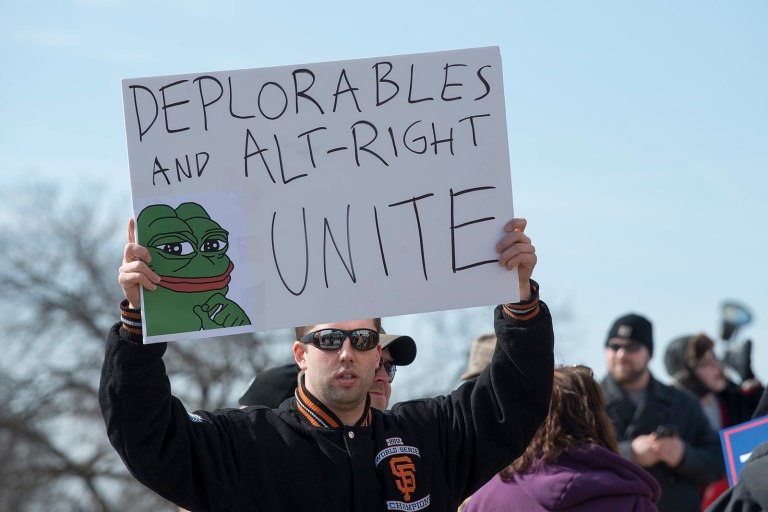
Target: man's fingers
129,277
516,225
521,260
139,267
134,273
517,254
131,282
135,252
511,239
512,244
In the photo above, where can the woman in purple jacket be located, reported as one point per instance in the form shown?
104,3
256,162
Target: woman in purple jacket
572,463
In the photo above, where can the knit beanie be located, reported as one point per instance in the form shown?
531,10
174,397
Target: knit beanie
633,327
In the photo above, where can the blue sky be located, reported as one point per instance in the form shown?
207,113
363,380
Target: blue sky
638,132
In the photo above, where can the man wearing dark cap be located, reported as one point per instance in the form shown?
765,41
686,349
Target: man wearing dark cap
275,385
659,427
396,351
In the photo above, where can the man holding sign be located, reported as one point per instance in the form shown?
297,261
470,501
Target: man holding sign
328,449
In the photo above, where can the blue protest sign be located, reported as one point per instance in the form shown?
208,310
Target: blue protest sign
738,442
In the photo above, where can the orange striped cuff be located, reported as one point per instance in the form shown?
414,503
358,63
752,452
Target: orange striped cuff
525,310
131,318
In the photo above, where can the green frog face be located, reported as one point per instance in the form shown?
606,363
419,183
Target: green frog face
188,251
184,242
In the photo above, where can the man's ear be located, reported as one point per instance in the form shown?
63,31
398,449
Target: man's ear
300,354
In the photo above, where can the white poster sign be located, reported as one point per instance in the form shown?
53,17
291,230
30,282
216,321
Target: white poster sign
316,193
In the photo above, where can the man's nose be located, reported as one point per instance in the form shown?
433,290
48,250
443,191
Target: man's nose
346,351
622,353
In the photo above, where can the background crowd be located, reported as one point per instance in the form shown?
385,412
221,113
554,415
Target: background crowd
669,431
629,442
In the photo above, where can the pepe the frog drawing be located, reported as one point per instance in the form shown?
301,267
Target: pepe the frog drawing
189,252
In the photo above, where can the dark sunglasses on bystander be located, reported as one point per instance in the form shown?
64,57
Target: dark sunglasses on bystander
632,346
390,368
333,339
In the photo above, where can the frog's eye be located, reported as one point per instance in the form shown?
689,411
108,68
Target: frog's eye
213,245
176,248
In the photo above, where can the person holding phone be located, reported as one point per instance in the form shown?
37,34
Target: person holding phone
659,427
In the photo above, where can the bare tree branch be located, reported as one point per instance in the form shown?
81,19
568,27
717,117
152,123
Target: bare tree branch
59,298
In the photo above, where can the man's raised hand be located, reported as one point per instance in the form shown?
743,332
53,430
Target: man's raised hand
134,272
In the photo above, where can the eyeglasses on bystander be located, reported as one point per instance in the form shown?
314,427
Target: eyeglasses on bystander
632,346
390,368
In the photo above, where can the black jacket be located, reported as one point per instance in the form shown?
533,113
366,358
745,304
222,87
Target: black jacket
739,404
665,405
424,454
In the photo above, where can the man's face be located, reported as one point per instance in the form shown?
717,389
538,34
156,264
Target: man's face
627,360
339,378
381,388
710,372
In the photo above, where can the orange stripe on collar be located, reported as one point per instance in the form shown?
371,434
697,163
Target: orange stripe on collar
319,415
316,408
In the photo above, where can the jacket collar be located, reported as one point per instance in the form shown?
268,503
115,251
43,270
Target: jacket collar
318,415
613,392
661,392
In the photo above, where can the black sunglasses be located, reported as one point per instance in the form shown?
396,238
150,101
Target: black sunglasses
390,368
632,346
333,339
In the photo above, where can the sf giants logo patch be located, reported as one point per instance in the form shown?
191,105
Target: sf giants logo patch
405,471
397,465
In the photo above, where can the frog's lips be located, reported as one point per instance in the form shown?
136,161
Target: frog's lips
197,284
